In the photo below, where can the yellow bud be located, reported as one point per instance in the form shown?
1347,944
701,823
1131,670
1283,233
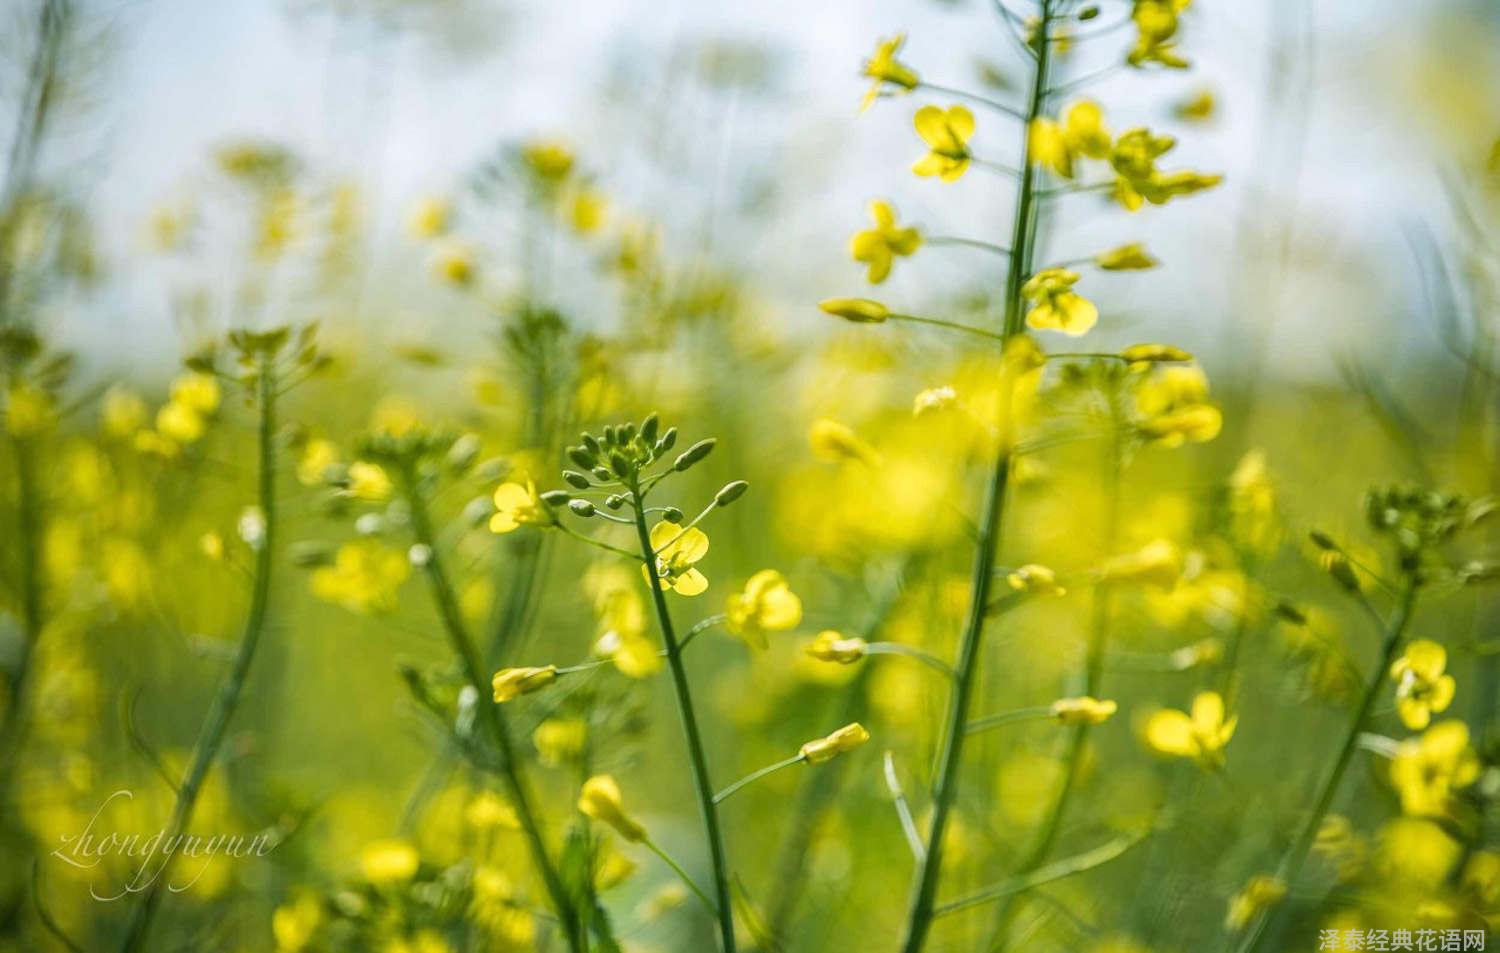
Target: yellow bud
600,799
1083,710
845,739
1036,579
858,310
1139,355
831,646
1131,257
512,683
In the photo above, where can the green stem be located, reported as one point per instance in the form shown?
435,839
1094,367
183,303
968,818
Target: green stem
972,97
950,325
754,776
1296,854
211,736
682,875
946,783
1038,713
940,240
1057,870
911,652
701,780
492,716
702,626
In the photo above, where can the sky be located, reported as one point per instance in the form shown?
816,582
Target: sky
1319,137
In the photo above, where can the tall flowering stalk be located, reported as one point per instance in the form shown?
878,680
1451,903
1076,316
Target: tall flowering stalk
264,357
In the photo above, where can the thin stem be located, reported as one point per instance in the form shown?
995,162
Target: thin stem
1038,713
701,780
903,810
682,875
30,527
1075,189
924,889
898,648
607,547
211,736
999,168
950,325
754,776
1057,870
681,532
492,716
972,97
940,240
1296,854
701,626
1064,89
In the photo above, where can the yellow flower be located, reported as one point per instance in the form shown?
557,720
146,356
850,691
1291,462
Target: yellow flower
549,161
1081,132
1422,689
1056,307
766,604
29,410
294,924
517,506
1427,770
677,549
1142,356
367,482
488,810
1252,505
858,310
453,262
180,423
933,399
878,246
1131,257
429,218
364,577
1156,24
211,545
1173,404
947,133
601,800
1083,710
122,413
1200,736
1199,107
844,740
395,417
883,68
317,457
559,741
834,442
586,210
386,862
1260,894
832,646
512,683
1035,579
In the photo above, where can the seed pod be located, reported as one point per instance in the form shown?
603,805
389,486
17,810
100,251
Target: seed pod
556,497
1290,613
582,507
730,493
1088,13
1338,567
584,457
649,426
672,514
694,454
1322,540
576,479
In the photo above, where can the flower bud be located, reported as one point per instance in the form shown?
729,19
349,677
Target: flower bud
832,646
602,474
846,739
1339,568
672,514
582,508
463,453
858,310
512,683
730,493
555,497
1083,710
1138,354
649,426
614,501
583,457
1322,540
668,440
694,454
575,479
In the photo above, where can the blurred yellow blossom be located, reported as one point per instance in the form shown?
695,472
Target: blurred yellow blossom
364,577
766,604
122,412
1055,305
317,458
389,862
511,683
879,246
600,799
29,410
858,310
1422,689
1198,107
1159,563
1427,770
453,263
1260,894
1201,736
884,68
294,924
560,741
549,160
368,482
832,646
1156,25
1130,257
1083,710
517,506
1036,579
834,442
947,133
429,217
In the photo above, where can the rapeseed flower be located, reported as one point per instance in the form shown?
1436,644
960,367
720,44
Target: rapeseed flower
1427,770
879,246
511,683
846,739
883,68
947,133
1056,306
1422,689
677,549
389,862
766,604
833,646
517,506
1083,710
364,577
1201,735
601,800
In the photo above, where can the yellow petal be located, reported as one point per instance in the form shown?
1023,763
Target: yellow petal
1171,732
503,522
930,125
1208,711
961,122
1427,659
690,583
929,165
883,214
